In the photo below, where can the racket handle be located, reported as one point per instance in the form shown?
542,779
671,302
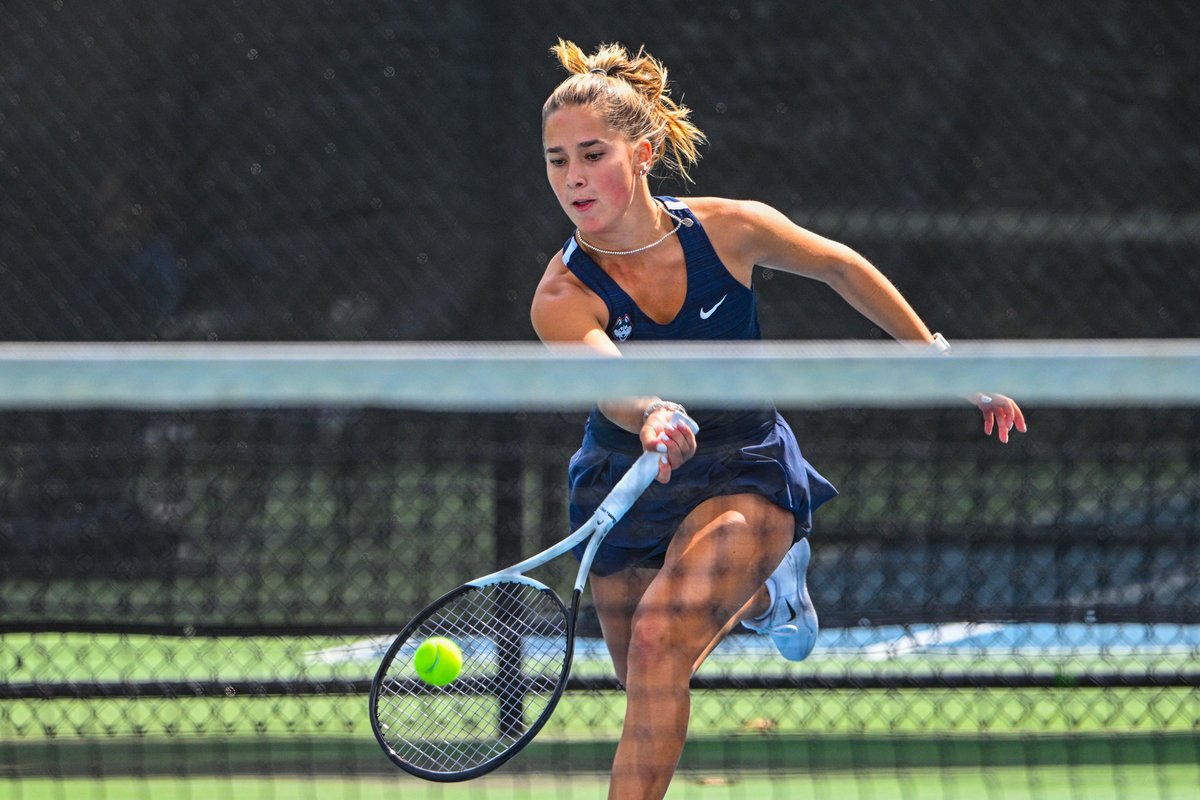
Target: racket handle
680,418
637,479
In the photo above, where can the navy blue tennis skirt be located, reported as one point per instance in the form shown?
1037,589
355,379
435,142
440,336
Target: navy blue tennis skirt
763,458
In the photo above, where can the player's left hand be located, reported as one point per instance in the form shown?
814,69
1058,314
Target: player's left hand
999,412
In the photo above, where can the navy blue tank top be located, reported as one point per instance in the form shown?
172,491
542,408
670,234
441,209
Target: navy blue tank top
717,306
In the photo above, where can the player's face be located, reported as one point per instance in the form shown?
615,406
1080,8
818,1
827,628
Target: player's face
590,167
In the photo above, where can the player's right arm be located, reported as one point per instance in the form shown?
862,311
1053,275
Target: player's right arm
564,311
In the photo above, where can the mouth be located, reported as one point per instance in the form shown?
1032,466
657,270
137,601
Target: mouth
583,205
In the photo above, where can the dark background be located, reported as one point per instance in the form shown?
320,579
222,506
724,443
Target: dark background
371,171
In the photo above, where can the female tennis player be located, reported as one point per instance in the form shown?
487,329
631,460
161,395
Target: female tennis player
720,539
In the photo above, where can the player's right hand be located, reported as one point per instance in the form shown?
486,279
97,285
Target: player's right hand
669,436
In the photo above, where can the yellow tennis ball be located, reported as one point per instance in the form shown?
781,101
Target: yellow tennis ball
438,660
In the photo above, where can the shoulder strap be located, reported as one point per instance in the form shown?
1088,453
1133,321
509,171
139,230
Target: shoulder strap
589,272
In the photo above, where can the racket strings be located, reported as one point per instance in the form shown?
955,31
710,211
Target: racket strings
513,638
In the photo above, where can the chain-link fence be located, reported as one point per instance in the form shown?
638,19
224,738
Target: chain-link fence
371,170
252,522
368,170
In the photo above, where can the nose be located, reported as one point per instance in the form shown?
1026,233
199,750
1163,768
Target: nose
574,176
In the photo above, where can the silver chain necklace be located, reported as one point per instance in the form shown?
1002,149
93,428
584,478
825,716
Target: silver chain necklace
679,223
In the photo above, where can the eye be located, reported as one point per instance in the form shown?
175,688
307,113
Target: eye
593,156
556,162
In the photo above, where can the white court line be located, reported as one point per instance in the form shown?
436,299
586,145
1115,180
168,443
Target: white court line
355,652
937,635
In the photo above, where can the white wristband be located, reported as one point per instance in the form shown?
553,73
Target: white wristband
939,345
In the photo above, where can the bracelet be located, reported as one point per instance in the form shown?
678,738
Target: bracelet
657,404
939,345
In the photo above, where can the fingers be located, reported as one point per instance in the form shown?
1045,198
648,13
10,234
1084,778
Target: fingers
1002,414
1019,416
674,442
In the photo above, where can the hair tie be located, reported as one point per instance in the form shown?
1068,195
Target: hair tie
599,70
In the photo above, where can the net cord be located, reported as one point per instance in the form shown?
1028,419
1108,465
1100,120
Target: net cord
529,376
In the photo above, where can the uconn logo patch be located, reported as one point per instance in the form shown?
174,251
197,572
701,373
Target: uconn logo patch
622,328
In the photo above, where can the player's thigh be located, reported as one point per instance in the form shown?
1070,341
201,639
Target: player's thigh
728,542
721,555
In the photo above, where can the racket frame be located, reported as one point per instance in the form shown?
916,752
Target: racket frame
402,638
619,500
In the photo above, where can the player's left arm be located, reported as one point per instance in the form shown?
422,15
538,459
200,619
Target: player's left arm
766,237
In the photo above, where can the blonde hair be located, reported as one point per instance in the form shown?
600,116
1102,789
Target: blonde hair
631,94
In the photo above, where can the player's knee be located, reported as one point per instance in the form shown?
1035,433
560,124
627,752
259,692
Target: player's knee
655,641
732,521
731,526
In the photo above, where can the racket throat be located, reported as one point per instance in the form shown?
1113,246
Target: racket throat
572,617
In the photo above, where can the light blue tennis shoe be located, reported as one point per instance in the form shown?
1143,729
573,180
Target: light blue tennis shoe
791,621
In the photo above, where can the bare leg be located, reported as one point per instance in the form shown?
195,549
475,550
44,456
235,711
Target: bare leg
717,561
755,606
616,598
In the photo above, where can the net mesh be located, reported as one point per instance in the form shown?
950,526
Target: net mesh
514,641
190,593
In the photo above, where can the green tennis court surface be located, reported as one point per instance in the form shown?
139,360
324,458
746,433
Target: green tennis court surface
1092,783
715,781
987,648
985,741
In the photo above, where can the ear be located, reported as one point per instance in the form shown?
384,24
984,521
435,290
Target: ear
643,156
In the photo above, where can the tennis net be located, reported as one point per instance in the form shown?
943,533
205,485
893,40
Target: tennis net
204,550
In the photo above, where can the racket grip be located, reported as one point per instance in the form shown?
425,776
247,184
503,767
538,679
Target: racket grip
628,489
680,418
637,479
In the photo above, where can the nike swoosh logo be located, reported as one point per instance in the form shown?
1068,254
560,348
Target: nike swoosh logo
705,313
791,609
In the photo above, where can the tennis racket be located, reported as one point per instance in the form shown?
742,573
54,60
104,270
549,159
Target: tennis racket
517,639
